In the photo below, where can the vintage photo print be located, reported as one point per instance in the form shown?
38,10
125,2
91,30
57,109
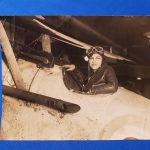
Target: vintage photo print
75,77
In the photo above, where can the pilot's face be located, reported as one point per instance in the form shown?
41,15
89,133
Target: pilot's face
95,61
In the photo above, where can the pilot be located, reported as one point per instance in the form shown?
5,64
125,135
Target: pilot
101,77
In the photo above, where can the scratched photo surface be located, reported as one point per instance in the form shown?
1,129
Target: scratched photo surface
43,95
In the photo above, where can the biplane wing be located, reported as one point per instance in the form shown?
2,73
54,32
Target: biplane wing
40,24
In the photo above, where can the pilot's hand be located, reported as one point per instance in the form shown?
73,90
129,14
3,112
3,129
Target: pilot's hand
69,67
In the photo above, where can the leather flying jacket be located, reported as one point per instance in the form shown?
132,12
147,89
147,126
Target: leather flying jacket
102,81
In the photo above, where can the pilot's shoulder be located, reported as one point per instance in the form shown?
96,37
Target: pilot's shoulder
110,69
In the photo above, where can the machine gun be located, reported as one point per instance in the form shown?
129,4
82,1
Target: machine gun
40,58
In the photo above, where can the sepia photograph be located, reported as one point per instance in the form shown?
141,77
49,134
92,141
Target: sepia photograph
75,77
